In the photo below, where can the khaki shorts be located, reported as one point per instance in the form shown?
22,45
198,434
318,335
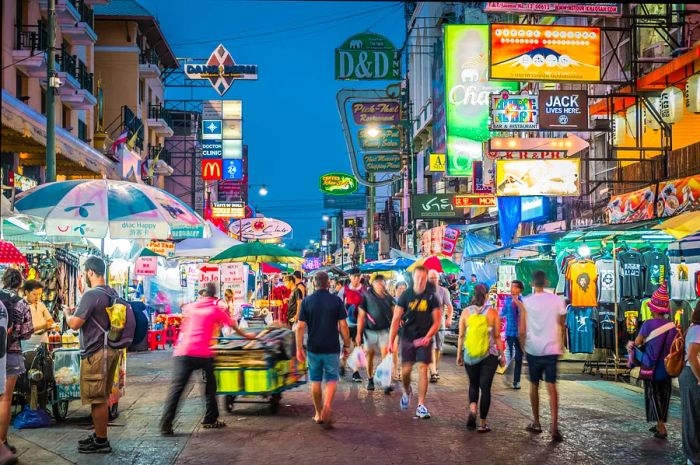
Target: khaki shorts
97,377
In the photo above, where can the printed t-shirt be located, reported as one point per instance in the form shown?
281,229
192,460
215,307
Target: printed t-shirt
201,319
583,277
543,331
691,337
657,271
321,311
580,325
682,284
632,274
645,311
606,328
681,311
417,312
606,280
629,310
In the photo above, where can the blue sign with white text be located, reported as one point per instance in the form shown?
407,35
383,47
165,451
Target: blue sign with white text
211,129
212,149
233,170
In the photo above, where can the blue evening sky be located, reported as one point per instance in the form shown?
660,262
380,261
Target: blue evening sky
291,121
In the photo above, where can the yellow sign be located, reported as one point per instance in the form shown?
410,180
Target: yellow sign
437,162
537,177
524,52
164,248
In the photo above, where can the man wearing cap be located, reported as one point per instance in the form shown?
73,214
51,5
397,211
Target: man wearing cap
657,335
352,295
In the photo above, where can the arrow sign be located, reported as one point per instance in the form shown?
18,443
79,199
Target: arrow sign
571,144
209,274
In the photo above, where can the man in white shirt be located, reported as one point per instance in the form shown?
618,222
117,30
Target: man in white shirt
541,330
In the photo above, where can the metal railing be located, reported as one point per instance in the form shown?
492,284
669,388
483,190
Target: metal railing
75,67
158,112
133,125
85,12
154,150
32,37
149,57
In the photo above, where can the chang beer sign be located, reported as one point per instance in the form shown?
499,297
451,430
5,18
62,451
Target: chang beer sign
337,184
367,56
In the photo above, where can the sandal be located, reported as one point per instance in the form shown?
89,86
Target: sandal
483,429
659,435
434,378
217,424
557,437
471,421
654,429
533,428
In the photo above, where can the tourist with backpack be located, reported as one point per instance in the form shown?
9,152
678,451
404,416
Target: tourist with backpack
656,337
19,328
480,350
101,339
690,390
541,332
352,295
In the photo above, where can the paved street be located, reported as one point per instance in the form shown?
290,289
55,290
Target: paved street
603,423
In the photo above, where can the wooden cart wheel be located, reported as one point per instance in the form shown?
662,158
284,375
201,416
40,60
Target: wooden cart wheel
114,411
275,403
229,402
60,410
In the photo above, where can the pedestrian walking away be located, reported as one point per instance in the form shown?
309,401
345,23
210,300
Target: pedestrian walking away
480,350
7,456
323,315
656,336
447,310
194,352
352,295
690,391
541,334
374,322
511,312
418,309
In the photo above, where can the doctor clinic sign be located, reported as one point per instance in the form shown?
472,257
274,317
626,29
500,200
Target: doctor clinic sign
367,56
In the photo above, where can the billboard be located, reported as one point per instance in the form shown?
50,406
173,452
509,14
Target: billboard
511,112
633,206
563,110
367,56
521,178
254,229
228,210
434,206
221,70
467,94
232,170
526,52
211,169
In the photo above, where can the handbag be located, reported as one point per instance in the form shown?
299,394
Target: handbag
675,360
646,370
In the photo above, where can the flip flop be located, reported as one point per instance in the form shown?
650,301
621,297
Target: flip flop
327,419
534,428
318,422
658,435
483,429
557,437
216,425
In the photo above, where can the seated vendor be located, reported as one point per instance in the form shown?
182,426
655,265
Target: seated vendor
41,318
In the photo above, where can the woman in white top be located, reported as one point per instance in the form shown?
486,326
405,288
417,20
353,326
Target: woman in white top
690,391
41,318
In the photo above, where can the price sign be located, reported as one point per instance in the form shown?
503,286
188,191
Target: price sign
232,272
146,266
208,274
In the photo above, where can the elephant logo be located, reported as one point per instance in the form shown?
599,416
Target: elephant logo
356,43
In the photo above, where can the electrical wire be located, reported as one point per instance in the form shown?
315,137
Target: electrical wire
23,59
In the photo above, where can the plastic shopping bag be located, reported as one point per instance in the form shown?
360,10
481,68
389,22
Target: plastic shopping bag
269,319
383,373
29,418
243,324
357,359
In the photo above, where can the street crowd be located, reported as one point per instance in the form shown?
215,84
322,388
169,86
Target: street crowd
399,324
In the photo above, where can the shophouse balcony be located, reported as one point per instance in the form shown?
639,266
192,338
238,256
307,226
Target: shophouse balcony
82,31
132,125
29,52
149,66
66,12
157,163
77,84
159,120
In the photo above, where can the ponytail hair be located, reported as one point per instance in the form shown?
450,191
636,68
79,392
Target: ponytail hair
480,295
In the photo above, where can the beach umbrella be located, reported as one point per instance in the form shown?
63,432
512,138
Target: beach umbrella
441,265
257,252
100,208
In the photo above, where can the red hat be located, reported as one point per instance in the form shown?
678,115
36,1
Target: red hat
659,302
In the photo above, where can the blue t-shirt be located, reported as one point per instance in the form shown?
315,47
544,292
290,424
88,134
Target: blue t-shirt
578,320
321,312
512,315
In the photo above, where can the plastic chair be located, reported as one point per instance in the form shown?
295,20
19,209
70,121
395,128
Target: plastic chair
156,338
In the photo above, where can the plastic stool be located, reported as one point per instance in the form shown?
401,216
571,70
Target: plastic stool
155,338
172,334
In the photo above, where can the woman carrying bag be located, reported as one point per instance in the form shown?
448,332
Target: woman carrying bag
656,336
690,391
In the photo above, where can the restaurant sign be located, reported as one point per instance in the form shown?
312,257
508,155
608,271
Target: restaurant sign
512,112
377,112
434,206
228,210
338,183
255,229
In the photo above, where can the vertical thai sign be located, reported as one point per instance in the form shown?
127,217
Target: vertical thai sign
467,95
439,97
367,56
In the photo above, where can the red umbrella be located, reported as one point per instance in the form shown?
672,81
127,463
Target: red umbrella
10,255
268,269
431,263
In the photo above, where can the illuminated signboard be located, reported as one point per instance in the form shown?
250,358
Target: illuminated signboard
527,52
556,9
380,139
437,162
563,110
367,56
377,112
474,201
537,177
232,170
212,149
228,210
211,169
221,70
468,91
533,208
232,149
526,154
338,183
509,112
211,129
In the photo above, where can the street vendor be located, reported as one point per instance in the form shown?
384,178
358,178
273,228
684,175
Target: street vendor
41,318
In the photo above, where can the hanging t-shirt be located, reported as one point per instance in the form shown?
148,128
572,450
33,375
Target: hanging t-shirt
644,311
682,281
583,276
606,280
631,274
606,328
580,326
680,312
629,312
656,271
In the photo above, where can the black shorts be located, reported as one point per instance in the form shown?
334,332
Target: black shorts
413,354
542,367
353,333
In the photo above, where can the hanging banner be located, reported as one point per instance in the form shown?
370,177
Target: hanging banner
449,241
526,52
467,92
434,206
632,206
367,56
556,9
377,112
563,110
537,177
337,183
513,112
678,196
146,266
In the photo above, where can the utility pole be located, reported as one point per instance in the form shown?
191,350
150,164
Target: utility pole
370,208
51,87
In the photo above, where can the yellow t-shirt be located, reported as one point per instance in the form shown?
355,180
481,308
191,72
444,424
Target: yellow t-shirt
583,280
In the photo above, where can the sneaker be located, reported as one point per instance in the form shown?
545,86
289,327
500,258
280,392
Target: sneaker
405,400
87,440
356,377
95,447
516,385
388,390
370,384
422,412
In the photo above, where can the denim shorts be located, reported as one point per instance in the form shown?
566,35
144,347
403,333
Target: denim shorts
542,367
14,366
323,367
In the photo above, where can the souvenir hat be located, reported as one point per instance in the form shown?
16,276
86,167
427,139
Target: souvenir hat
659,302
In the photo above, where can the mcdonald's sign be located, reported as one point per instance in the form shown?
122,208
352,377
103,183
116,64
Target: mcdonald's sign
211,169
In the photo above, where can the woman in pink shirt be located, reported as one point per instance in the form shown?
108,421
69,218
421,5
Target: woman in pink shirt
194,352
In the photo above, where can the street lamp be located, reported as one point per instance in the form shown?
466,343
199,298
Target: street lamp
262,191
311,241
373,131
325,218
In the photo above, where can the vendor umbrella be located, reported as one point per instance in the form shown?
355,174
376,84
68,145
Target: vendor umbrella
391,264
103,208
257,252
10,255
441,265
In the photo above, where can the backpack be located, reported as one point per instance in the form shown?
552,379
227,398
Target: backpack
122,322
675,360
9,300
476,342
353,299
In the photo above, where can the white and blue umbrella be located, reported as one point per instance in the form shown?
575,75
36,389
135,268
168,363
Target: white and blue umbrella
103,208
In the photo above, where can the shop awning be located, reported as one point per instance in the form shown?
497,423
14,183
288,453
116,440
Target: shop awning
205,248
687,249
682,225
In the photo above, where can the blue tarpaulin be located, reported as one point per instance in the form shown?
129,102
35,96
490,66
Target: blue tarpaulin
508,218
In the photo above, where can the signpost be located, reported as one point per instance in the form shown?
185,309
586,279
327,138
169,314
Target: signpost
221,70
367,56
